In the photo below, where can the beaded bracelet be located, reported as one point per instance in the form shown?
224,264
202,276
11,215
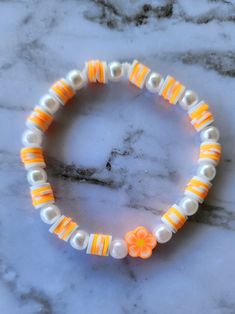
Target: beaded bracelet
139,242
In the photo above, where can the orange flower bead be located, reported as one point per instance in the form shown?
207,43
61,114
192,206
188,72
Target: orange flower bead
140,242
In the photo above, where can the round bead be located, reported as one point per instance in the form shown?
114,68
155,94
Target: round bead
126,68
162,233
206,170
118,248
32,138
189,206
50,214
75,79
211,133
36,176
79,239
115,71
189,99
49,104
154,82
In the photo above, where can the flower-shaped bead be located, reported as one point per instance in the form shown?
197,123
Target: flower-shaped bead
140,242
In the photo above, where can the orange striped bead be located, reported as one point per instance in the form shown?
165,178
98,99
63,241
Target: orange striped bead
200,116
173,218
64,228
171,90
210,151
138,74
99,244
96,71
42,195
62,91
32,156
39,119
198,188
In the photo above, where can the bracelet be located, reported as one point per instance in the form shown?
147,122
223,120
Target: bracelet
139,242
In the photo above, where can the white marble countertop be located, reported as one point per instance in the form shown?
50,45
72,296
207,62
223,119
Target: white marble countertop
117,156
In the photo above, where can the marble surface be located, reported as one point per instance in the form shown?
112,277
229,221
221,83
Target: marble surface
117,156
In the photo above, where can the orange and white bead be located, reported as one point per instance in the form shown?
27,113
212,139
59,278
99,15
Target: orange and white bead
174,219
99,244
138,242
200,116
198,188
210,152
32,157
62,91
39,119
97,71
63,228
171,90
138,74
42,195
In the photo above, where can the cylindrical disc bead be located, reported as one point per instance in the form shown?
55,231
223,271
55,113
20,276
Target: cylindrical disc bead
138,74
39,119
62,91
99,244
162,233
32,157
32,138
79,239
198,188
200,116
97,71
210,152
63,228
42,195
50,213
171,90
174,219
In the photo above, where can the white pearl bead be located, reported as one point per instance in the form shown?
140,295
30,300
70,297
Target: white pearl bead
118,249
115,71
79,239
32,138
206,170
50,214
162,233
189,99
36,176
154,82
126,67
211,133
49,104
76,79
189,206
